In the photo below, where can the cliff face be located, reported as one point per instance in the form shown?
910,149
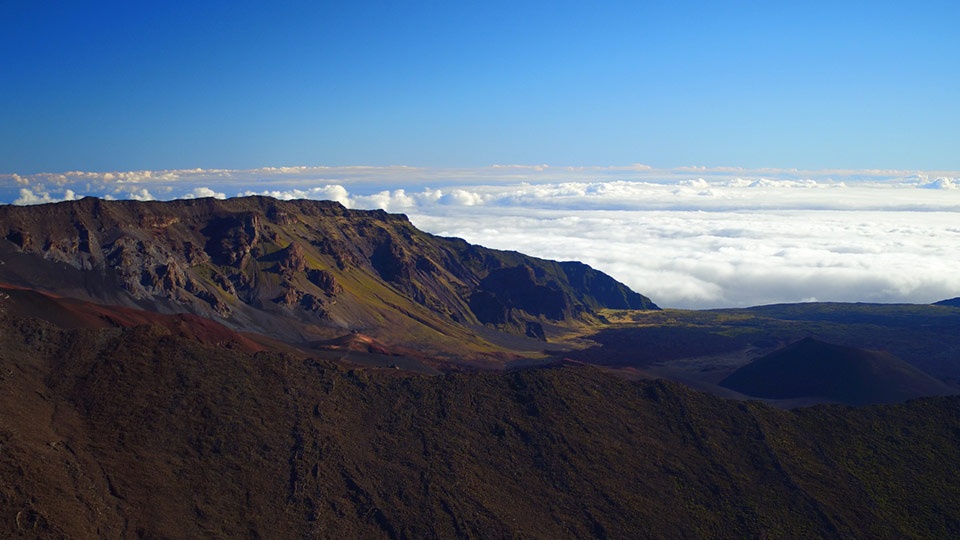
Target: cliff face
300,270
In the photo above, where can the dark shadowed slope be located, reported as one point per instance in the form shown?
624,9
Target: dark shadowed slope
703,347
121,433
814,369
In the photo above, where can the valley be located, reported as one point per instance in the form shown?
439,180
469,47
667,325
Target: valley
263,368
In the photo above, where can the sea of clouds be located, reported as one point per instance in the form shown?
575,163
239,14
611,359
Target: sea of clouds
688,237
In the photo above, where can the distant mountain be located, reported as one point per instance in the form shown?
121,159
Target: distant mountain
302,271
138,432
953,302
814,369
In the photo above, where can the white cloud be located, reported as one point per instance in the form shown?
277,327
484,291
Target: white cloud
942,183
700,259
141,195
698,183
692,237
28,197
461,197
330,192
202,192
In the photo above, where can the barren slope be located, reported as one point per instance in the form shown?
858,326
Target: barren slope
301,271
135,432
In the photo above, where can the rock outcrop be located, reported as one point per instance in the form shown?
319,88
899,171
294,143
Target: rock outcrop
302,270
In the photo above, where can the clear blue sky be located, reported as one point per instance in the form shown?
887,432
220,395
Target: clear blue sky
106,86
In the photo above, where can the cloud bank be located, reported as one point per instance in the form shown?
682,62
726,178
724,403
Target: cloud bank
692,237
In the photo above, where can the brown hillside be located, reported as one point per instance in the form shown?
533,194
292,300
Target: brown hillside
301,271
123,433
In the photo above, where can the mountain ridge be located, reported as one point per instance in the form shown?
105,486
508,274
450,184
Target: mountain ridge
300,270
126,414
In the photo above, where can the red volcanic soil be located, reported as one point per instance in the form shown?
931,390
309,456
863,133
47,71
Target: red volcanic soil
355,342
73,313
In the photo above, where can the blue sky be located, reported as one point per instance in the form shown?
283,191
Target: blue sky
705,153
119,86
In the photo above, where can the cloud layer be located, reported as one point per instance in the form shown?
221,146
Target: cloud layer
691,237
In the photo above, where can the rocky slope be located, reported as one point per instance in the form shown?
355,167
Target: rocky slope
119,433
131,405
299,270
